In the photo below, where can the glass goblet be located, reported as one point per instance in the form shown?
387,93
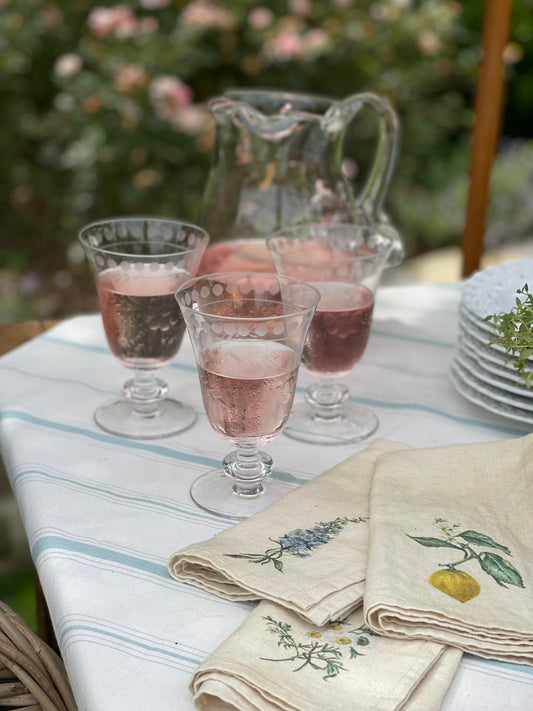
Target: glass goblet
344,262
138,264
247,331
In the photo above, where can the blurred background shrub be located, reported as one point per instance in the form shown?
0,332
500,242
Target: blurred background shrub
105,113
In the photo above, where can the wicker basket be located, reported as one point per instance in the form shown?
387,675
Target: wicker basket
32,676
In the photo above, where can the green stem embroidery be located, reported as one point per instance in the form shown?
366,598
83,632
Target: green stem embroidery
299,542
495,565
323,656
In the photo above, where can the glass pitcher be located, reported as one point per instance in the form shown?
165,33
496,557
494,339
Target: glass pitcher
277,161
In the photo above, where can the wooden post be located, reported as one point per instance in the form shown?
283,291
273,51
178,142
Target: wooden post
488,109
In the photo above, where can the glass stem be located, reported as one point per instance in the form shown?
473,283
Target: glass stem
145,393
327,398
248,467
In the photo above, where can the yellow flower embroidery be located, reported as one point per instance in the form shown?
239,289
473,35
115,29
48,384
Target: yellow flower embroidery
323,655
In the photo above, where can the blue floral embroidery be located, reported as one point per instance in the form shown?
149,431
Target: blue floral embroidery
299,542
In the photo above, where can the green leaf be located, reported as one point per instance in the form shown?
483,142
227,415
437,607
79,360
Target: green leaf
278,565
432,542
515,332
500,569
479,539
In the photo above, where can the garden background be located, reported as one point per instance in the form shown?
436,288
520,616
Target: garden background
104,112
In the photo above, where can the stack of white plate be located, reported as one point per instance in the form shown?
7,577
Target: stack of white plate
483,372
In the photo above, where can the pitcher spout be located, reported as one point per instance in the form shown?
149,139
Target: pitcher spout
267,115
277,161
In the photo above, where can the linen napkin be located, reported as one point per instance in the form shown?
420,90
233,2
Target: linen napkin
277,662
306,552
450,554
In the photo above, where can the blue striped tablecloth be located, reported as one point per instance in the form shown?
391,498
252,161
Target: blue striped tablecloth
103,514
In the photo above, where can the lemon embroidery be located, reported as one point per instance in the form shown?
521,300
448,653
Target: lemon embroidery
459,584
456,584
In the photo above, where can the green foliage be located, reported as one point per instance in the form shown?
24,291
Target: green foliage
91,129
501,570
105,107
434,215
17,591
514,332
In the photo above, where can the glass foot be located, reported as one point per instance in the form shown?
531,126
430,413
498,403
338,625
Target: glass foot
119,418
213,492
353,423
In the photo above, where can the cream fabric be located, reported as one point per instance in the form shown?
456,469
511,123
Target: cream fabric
276,661
467,512
306,552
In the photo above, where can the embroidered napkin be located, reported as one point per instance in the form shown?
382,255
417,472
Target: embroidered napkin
451,547
277,662
306,551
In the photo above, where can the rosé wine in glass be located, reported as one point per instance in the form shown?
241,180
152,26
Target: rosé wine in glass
138,264
142,321
344,262
248,388
340,328
247,330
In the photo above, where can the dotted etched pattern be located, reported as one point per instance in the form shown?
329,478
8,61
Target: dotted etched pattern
142,231
479,368
208,290
113,245
494,290
220,310
125,266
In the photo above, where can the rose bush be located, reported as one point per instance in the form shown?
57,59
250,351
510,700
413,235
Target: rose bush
105,106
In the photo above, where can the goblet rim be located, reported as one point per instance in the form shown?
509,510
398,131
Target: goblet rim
260,276
202,235
382,249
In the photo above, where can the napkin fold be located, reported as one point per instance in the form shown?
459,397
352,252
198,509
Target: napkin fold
277,662
306,552
450,555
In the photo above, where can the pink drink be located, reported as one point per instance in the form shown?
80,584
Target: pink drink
340,328
237,255
248,388
142,320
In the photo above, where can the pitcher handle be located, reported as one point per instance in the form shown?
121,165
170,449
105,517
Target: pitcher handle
372,196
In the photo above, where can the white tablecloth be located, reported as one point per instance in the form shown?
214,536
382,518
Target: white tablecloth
103,514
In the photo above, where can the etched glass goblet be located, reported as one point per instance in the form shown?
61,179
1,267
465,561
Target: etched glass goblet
344,262
247,331
138,264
